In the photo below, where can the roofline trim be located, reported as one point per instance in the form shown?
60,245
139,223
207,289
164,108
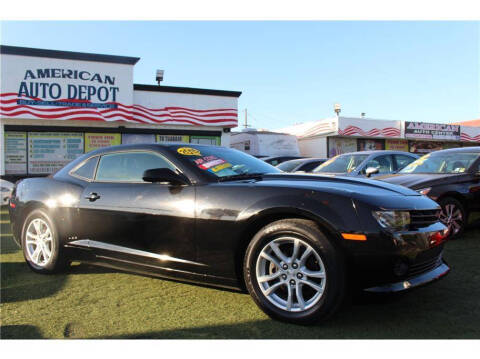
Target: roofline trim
67,55
188,90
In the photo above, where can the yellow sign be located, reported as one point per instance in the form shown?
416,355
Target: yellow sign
99,140
173,138
221,167
396,145
189,151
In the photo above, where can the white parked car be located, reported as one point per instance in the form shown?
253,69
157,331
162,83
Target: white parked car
6,189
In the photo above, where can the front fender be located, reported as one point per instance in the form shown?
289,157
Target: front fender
335,213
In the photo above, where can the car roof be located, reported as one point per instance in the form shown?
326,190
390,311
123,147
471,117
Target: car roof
475,149
308,159
282,156
148,146
370,152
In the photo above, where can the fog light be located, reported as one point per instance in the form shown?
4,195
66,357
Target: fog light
400,268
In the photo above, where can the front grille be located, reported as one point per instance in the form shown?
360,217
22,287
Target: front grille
424,266
423,218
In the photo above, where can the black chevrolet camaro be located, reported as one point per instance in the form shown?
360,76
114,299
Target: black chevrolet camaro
220,217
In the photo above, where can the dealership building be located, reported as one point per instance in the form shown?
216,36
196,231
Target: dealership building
330,137
57,105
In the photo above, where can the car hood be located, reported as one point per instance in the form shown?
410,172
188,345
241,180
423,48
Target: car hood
419,180
354,185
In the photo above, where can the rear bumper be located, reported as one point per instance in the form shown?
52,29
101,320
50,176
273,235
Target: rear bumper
413,282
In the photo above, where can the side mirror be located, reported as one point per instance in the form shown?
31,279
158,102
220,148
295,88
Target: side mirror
371,171
164,175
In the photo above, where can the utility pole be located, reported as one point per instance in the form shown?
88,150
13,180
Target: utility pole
246,119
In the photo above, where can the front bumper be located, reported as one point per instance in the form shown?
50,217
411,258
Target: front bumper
411,283
396,260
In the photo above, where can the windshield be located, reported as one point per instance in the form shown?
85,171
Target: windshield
224,162
442,163
341,164
288,166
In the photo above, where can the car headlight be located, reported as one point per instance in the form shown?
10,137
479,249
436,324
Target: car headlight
424,191
393,220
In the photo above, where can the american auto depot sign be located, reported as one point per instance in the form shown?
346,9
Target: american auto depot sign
96,88
432,131
52,88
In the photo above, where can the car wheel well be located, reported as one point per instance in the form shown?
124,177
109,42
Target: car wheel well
261,222
454,195
459,198
29,208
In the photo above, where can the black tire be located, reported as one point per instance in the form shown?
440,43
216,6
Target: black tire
57,261
446,204
333,263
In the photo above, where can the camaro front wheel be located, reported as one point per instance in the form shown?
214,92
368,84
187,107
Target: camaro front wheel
40,243
294,273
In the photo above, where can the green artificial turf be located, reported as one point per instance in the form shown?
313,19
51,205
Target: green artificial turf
91,302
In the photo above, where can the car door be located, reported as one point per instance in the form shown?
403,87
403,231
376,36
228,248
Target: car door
126,218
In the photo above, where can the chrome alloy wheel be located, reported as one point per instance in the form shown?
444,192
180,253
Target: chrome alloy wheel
39,242
451,216
291,274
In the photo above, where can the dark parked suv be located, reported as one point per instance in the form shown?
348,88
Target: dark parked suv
450,177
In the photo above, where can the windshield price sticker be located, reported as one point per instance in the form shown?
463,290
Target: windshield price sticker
189,151
221,167
208,162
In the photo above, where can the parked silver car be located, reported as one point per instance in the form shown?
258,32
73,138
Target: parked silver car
366,163
5,191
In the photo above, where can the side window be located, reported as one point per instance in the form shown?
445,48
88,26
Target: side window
129,166
309,167
383,163
403,161
87,169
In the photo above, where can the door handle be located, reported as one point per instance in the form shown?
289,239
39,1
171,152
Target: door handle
92,197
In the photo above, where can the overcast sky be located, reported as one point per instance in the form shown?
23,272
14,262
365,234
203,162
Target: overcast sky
292,72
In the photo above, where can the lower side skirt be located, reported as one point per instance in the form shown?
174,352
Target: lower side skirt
86,256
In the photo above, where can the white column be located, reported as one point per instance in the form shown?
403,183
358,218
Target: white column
225,139
2,149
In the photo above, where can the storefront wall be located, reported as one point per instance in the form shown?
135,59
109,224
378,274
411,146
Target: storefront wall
358,134
32,149
339,145
56,105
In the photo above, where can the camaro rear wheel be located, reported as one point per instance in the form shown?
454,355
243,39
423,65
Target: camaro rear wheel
453,216
40,243
294,273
